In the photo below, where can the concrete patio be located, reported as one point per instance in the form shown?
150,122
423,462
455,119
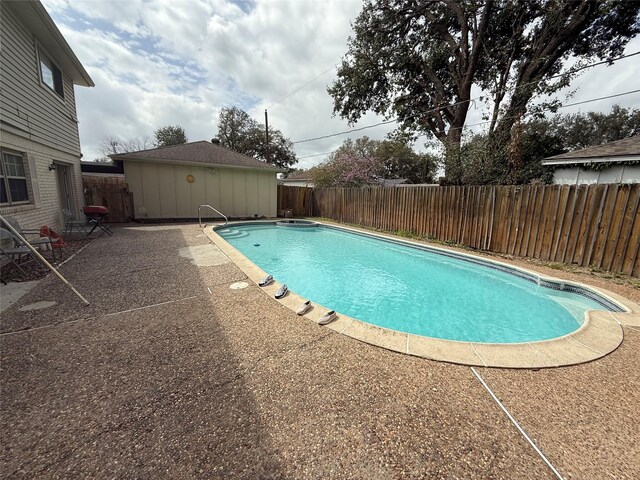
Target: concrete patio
170,373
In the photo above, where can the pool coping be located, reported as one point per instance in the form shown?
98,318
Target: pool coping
600,334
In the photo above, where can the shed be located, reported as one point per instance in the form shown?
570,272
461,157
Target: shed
171,182
613,162
298,179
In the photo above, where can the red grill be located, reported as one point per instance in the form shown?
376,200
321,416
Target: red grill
96,215
95,210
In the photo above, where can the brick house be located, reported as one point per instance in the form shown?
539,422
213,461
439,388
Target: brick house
39,141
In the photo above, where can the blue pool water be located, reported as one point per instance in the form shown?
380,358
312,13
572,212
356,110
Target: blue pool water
409,289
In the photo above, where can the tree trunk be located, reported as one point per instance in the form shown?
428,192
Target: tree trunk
452,158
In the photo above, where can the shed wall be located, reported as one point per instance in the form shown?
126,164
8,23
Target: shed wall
614,174
162,190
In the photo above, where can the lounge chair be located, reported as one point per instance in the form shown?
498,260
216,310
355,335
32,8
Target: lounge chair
36,242
71,222
17,255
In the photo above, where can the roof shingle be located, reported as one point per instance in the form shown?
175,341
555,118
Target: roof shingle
304,175
620,148
203,152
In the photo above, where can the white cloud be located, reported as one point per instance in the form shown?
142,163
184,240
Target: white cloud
163,62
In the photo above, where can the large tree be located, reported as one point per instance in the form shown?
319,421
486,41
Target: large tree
581,130
112,145
538,138
395,156
347,169
163,136
237,131
169,135
532,141
417,60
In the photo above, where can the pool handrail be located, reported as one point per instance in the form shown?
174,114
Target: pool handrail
226,220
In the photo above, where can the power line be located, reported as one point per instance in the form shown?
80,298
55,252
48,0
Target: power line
304,85
561,106
308,163
570,72
413,116
577,69
345,132
601,98
315,155
468,125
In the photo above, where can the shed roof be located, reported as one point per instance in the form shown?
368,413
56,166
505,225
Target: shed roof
627,149
197,153
303,175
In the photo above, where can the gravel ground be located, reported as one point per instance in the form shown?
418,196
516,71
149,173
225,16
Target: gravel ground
169,373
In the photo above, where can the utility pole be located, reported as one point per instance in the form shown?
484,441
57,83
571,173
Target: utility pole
266,134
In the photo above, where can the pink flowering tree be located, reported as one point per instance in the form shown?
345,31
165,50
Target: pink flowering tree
357,170
347,170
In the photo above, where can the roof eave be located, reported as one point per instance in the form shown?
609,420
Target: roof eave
123,156
584,160
34,15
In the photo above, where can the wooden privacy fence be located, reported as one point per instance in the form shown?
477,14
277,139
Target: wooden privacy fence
588,225
296,199
113,193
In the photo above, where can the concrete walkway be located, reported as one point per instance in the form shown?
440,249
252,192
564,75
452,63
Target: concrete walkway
170,373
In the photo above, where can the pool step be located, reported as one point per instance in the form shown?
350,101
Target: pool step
232,233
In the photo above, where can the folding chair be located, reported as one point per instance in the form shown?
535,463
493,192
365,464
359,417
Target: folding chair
36,242
15,254
72,222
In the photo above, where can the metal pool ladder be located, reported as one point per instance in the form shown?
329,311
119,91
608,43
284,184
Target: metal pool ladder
226,220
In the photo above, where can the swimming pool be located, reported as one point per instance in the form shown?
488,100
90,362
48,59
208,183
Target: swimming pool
414,289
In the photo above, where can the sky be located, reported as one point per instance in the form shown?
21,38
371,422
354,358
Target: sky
172,62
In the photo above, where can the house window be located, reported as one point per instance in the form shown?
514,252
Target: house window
51,75
13,179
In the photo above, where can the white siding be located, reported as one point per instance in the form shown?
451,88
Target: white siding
27,107
611,175
631,174
614,174
37,123
588,177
